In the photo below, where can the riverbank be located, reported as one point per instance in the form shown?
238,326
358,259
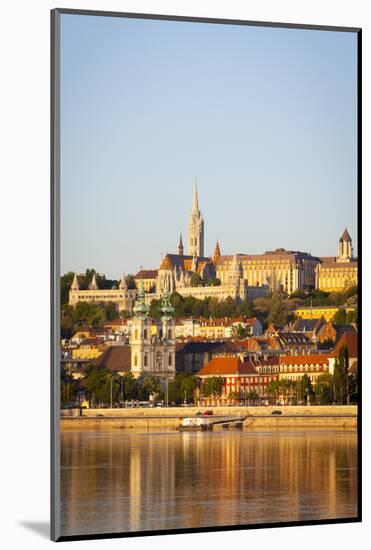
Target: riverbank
170,418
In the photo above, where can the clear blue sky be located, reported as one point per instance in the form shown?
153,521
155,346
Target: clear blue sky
264,118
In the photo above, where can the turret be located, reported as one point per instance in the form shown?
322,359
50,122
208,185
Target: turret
93,285
123,284
216,253
75,283
345,249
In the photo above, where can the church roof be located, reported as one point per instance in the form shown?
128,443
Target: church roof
185,262
146,274
345,236
116,358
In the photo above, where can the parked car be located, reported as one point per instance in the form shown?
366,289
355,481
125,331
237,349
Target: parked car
276,412
208,413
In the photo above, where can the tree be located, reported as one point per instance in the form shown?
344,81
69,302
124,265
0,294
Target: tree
277,312
212,386
98,385
341,376
273,391
240,332
340,317
324,389
213,281
196,280
130,281
305,389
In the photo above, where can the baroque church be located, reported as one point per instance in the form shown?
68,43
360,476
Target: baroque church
152,354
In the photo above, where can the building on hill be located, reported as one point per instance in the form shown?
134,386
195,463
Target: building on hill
336,274
315,312
332,333
149,278
309,327
224,328
121,297
278,270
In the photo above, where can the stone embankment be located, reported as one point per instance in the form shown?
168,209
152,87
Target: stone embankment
170,418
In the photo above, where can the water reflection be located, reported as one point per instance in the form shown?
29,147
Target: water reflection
121,480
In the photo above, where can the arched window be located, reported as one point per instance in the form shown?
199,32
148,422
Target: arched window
170,360
146,360
169,334
135,360
145,334
136,334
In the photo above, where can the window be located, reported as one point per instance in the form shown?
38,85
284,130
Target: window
170,360
135,360
146,360
136,334
145,334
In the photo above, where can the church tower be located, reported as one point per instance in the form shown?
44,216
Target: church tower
345,249
180,246
195,228
140,340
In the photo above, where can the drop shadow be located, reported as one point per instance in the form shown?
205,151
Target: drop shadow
42,528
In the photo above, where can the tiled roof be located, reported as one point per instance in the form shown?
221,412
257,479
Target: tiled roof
345,236
224,366
280,254
294,338
146,274
350,339
116,358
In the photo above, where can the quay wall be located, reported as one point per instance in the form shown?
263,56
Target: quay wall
312,416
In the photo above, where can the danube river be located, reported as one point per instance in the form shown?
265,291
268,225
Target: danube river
125,480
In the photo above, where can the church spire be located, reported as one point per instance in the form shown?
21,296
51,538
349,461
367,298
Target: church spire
195,228
93,285
180,246
75,283
216,253
195,197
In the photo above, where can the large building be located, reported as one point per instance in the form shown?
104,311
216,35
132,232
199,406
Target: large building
279,269
335,274
121,296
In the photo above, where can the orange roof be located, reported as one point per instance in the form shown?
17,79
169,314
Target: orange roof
227,366
320,359
350,339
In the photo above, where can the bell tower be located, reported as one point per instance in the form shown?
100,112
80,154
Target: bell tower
195,228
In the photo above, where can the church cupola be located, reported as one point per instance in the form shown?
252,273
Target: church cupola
140,309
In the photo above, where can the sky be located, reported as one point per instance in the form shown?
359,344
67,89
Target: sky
265,118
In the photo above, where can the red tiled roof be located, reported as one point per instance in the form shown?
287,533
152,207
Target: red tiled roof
350,339
227,366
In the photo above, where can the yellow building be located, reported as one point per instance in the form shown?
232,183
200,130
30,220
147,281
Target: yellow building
87,352
148,278
279,269
337,274
327,312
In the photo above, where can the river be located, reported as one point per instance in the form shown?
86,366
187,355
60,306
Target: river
124,480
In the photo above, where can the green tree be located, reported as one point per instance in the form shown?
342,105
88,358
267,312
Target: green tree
98,386
212,386
324,389
340,317
240,332
305,389
196,280
213,281
273,391
130,281
341,376
277,312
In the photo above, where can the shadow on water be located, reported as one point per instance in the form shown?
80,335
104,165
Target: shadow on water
42,528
